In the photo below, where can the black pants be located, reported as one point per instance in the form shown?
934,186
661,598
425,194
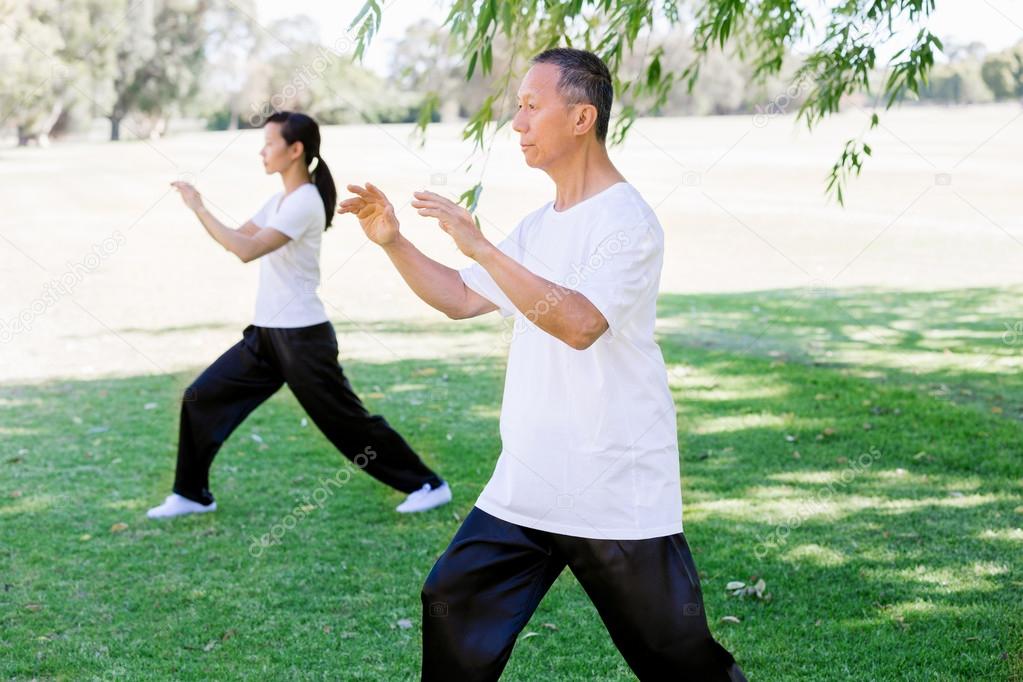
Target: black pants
305,358
484,589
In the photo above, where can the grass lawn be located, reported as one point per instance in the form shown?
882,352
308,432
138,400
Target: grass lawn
859,451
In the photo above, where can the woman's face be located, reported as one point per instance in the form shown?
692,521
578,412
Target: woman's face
277,153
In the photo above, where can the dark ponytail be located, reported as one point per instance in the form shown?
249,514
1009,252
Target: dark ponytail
296,127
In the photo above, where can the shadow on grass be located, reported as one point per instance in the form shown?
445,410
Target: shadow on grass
907,567
962,345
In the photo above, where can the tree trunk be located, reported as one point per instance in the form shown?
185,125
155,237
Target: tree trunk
115,128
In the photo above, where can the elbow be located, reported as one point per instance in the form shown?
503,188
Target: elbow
456,314
581,341
245,257
587,335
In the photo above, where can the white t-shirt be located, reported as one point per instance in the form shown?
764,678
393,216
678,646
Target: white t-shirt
589,440
290,275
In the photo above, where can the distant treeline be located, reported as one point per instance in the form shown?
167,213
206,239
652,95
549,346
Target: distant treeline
142,64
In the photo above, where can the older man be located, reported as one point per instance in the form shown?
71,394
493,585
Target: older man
588,475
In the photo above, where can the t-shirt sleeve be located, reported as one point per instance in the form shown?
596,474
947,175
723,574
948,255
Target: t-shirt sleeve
479,280
621,271
295,217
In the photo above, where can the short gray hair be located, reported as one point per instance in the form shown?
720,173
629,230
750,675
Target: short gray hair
584,78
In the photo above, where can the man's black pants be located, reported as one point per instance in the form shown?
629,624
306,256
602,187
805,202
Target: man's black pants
304,358
484,589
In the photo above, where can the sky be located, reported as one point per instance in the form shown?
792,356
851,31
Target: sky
996,23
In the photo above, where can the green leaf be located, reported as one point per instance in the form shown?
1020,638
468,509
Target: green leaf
470,198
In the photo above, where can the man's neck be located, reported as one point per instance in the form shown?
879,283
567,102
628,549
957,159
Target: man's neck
582,175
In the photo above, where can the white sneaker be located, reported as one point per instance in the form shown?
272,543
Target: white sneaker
425,498
176,505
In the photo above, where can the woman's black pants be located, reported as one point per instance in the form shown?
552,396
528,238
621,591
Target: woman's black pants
484,589
305,359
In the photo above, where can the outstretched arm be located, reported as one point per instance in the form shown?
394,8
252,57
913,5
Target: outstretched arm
248,242
438,285
563,313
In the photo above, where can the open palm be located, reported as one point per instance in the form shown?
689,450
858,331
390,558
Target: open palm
374,211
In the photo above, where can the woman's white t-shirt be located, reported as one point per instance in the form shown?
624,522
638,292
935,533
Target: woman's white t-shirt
589,438
290,275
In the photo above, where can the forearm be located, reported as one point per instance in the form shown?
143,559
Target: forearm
241,245
438,285
563,313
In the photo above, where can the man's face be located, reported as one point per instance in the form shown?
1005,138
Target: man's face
545,122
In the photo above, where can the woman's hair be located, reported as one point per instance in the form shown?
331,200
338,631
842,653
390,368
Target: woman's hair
296,127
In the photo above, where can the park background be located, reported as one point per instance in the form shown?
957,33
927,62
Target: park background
846,376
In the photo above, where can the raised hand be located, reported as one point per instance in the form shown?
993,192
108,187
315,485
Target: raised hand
374,211
189,194
454,220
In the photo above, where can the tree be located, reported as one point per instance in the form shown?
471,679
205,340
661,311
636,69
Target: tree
28,68
234,41
763,33
159,59
45,62
1003,73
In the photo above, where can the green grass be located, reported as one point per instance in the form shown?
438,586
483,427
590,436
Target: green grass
907,565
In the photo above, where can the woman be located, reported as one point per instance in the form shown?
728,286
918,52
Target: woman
290,339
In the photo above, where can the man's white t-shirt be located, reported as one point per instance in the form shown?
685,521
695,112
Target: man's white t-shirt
589,440
290,275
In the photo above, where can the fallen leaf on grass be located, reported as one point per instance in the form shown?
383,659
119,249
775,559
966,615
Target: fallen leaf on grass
404,623
730,619
758,590
118,527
